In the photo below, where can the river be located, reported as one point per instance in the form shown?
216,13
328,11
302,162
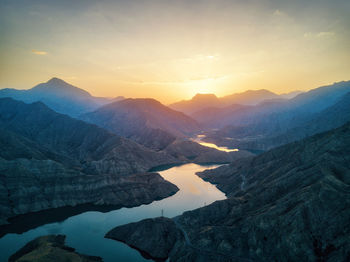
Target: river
199,139
85,232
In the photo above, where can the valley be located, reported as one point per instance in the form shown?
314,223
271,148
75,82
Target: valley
174,131
213,183
85,232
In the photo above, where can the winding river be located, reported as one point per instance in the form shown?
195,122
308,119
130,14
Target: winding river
85,232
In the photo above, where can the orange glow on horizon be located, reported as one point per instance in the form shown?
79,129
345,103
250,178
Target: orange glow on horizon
171,50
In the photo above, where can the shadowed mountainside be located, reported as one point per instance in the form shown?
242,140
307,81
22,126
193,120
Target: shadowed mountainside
295,197
243,137
50,160
145,121
276,115
158,127
272,124
60,96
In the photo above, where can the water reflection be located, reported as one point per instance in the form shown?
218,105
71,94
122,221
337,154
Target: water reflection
199,138
86,231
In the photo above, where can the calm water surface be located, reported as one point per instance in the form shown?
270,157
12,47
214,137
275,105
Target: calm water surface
199,138
85,232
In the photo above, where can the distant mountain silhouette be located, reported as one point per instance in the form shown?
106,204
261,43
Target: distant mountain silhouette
50,160
249,97
198,102
290,95
146,121
268,125
203,101
330,118
60,96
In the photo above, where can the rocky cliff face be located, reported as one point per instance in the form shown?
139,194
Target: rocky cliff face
288,204
29,185
50,160
50,248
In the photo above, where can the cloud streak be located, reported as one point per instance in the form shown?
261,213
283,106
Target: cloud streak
38,52
319,35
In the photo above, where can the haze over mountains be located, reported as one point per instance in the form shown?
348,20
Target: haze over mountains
257,119
101,152
271,124
60,96
51,160
249,97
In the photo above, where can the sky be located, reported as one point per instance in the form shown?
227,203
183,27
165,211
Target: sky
171,50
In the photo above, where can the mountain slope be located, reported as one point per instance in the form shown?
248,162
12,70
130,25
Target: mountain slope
279,115
146,121
50,160
60,96
289,204
329,118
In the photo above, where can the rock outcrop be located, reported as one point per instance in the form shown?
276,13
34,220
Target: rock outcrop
50,248
289,204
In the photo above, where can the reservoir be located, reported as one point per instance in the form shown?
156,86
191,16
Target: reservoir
85,231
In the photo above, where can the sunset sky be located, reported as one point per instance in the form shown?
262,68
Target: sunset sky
171,50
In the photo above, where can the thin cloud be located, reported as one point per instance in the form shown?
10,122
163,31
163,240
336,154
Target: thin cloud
319,35
38,52
325,34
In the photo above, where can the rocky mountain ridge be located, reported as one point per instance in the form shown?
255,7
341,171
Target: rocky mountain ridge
295,197
50,160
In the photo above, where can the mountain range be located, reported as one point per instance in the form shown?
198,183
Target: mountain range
62,147
51,160
249,97
271,124
288,204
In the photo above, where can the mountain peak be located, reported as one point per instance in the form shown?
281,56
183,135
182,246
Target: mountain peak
56,80
199,96
58,86
259,92
59,83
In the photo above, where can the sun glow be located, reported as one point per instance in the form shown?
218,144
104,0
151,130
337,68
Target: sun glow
208,85
171,50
